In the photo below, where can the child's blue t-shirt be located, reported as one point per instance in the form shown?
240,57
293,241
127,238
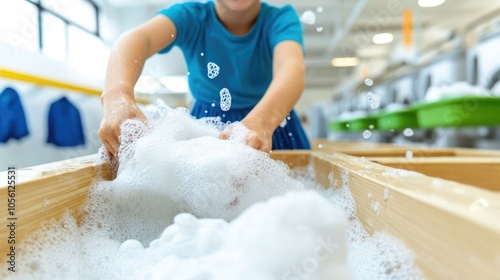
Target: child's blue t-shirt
224,69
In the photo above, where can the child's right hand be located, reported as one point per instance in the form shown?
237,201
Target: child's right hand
116,111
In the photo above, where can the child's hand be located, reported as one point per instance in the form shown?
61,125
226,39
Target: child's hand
116,111
254,136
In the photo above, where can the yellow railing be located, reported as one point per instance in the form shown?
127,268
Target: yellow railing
42,81
18,76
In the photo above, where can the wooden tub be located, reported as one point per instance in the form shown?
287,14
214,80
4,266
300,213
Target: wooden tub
480,168
452,228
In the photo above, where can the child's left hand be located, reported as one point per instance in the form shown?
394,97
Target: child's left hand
255,136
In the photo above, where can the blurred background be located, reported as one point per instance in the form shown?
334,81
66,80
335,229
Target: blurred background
377,71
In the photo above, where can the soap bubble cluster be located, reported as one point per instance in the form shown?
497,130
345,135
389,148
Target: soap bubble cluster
212,70
367,134
308,17
408,132
373,100
225,100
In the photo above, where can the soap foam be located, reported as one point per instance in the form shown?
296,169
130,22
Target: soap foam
187,205
374,257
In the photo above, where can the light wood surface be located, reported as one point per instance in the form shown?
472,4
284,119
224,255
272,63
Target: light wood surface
477,171
453,228
368,149
45,192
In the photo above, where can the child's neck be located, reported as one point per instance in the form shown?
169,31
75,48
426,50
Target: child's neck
238,23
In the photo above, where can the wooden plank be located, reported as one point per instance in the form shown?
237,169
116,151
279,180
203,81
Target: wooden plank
452,228
466,152
482,172
368,149
362,149
293,158
325,144
44,192
394,152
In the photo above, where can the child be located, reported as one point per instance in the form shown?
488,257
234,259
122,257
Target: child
245,62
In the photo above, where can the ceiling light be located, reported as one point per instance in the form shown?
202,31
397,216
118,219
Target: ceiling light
382,38
430,3
345,61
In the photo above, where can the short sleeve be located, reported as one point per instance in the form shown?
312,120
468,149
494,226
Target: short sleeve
184,16
285,26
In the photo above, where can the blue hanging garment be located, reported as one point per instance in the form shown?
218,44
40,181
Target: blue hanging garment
12,119
65,124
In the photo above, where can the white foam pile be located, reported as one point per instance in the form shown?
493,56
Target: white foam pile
186,205
457,89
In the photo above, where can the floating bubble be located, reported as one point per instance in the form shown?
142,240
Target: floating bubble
319,9
320,146
347,125
386,194
479,205
212,70
213,104
308,17
283,123
225,99
373,100
202,54
408,132
409,154
369,82
376,208
367,134
371,126
319,29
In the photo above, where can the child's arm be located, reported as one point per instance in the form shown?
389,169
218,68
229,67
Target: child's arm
280,98
125,65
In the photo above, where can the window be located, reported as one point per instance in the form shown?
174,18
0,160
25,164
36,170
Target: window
81,13
86,52
54,37
19,25
51,27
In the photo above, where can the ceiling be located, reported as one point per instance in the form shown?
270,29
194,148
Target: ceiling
346,27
